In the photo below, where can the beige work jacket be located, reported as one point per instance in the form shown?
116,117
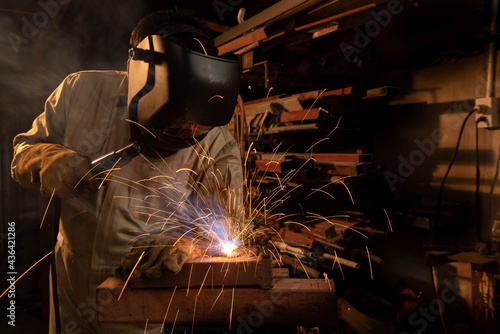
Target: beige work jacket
87,113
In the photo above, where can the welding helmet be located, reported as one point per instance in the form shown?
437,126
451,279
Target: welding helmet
175,95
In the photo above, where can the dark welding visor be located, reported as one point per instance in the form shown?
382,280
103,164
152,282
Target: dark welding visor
170,84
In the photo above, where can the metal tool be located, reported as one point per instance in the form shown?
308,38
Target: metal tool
116,158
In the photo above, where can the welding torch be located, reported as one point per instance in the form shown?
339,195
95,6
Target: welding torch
283,247
117,158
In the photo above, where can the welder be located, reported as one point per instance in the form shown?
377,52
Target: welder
174,99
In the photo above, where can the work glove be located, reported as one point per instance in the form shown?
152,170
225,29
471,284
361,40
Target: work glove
161,253
48,167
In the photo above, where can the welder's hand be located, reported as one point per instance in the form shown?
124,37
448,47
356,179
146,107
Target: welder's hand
46,167
161,253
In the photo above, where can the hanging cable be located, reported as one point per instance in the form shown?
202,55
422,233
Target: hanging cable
478,185
438,207
443,182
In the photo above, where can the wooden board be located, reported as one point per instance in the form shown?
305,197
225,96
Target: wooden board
274,166
318,157
291,302
216,272
243,41
259,19
302,115
350,169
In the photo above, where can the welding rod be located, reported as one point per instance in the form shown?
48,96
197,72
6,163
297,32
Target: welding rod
341,260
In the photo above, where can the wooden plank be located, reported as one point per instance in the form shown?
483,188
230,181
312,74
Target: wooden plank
257,20
382,92
291,302
216,272
472,258
325,30
349,169
296,264
243,41
289,103
299,127
281,272
302,115
278,156
325,229
335,17
344,91
264,99
337,157
246,50
270,166
325,232
293,237
319,157
292,102
247,60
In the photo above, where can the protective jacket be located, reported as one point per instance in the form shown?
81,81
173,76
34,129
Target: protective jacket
87,113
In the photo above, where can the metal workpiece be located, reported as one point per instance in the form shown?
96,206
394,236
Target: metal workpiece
211,272
341,260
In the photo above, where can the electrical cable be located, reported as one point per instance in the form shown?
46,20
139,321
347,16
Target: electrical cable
478,184
438,207
443,182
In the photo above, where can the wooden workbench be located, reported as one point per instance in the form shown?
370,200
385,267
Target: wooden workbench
307,302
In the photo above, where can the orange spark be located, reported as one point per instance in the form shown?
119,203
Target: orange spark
189,280
340,267
168,307
219,96
128,278
47,208
231,313
196,39
142,126
218,296
175,320
37,262
369,261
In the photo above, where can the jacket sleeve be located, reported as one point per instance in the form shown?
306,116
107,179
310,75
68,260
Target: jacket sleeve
227,175
48,127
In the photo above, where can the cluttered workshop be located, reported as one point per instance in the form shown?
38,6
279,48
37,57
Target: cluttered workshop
237,166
